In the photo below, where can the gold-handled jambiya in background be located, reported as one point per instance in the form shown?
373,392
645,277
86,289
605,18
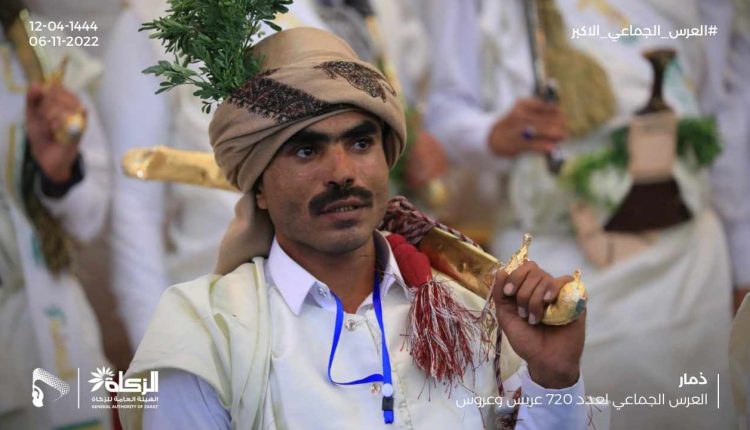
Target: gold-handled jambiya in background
36,65
161,163
468,265
74,124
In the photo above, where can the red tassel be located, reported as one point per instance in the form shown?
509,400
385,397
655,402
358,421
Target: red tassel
395,239
440,328
416,268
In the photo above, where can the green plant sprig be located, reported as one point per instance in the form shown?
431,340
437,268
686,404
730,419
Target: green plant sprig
215,36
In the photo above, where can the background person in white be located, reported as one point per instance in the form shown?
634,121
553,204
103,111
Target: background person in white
727,92
475,97
71,182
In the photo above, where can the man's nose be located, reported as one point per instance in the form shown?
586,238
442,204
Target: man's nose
340,167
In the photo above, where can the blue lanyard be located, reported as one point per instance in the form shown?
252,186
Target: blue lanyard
385,378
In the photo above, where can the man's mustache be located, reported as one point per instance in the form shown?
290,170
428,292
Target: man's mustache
324,199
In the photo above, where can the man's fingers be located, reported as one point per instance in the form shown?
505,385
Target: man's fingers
542,145
66,99
56,116
526,290
57,96
556,286
516,278
536,302
550,127
535,105
501,278
34,95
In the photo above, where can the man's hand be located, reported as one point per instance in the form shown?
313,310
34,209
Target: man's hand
46,111
531,125
427,161
553,353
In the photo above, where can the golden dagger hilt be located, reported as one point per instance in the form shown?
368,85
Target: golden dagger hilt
35,63
71,130
73,126
475,270
162,163
519,257
572,299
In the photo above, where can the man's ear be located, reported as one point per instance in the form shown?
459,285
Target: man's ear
260,197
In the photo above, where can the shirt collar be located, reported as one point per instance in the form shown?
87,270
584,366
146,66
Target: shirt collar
295,284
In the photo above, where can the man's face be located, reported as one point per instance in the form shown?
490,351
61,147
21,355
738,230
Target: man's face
327,187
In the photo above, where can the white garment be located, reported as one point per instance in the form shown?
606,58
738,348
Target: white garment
303,313
651,317
81,211
728,94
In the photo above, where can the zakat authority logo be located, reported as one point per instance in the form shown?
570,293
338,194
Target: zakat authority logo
102,375
57,384
134,392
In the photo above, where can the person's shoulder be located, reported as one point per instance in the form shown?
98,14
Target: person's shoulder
214,290
241,293
202,315
239,274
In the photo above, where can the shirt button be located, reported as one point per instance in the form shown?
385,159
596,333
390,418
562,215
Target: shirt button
375,388
388,390
350,325
323,291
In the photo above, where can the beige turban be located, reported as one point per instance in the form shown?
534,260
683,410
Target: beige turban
307,75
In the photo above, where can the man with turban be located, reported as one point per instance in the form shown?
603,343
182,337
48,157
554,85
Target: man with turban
309,141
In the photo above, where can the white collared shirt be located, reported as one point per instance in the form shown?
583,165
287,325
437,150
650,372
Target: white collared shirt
303,312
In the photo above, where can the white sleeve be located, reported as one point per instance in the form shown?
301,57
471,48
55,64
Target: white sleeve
135,117
731,171
455,114
185,402
555,409
84,207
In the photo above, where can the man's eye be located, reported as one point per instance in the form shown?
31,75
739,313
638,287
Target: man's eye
304,151
363,143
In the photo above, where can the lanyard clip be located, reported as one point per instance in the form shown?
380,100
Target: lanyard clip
388,409
388,403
